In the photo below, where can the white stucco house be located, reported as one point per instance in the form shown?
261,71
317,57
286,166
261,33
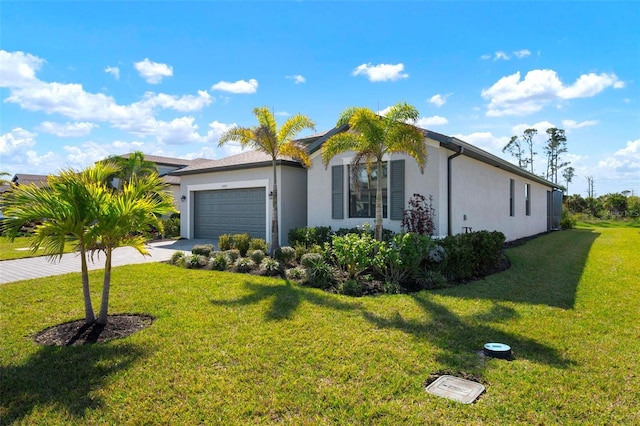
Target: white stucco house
472,190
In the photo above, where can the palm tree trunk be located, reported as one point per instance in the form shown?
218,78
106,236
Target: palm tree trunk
89,316
106,285
379,202
275,243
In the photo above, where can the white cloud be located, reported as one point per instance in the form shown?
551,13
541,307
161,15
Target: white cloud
381,72
114,71
485,57
183,103
522,53
18,69
385,111
281,114
297,79
436,120
73,130
216,129
153,72
501,55
240,86
512,96
16,141
572,124
485,140
439,100
621,171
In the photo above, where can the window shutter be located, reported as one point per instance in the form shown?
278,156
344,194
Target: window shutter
397,190
337,188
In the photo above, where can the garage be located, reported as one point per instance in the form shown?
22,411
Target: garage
229,211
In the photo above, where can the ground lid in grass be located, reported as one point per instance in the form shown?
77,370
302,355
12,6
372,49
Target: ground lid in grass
456,388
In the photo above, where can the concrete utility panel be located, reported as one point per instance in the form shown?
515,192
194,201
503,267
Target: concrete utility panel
461,390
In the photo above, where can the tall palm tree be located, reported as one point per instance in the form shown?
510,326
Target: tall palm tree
122,217
65,209
277,143
372,137
133,165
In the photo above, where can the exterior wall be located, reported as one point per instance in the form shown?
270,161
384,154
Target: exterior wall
319,190
481,195
291,194
292,210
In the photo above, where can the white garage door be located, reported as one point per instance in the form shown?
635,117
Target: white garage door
229,211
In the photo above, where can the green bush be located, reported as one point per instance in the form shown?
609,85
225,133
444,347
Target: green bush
244,264
219,262
354,253
429,279
387,234
242,242
398,260
286,255
225,242
171,227
297,274
307,260
257,256
300,250
568,220
319,273
309,236
232,255
177,258
270,266
352,287
195,261
258,244
202,249
472,254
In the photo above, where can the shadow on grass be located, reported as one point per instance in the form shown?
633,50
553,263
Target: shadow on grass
61,378
545,271
460,341
285,299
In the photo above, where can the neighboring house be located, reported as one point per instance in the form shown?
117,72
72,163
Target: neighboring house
22,179
472,190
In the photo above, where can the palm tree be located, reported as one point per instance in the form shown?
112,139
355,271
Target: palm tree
133,165
372,137
65,209
123,216
277,143
4,181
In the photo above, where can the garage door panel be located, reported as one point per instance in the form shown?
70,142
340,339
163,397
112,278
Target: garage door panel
230,211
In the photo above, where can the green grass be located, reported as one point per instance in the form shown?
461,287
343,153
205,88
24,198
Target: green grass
20,248
238,349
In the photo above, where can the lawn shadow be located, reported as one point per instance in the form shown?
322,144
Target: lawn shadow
461,340
544,271
56,377
286,299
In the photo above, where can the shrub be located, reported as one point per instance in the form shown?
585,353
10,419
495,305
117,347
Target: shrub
286,255
390,287
270,266
307,260
177,258
429,279
308,237
419,217
171,227
319,273
195,261
219,262
300,250
354,253
232,255
352,287
387,234
225,242
400,259
256,256
202,249
244,264
472,254
258,244
297,274
568,220
241,242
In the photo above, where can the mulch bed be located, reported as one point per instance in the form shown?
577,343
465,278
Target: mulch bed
78,332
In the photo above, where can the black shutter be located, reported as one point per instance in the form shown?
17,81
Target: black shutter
337,188
397,190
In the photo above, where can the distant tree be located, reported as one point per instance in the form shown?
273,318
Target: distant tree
576,204
4,181
372,137
527,136
132,165
515,148
616,204
556,146
568,174
277,143
590,191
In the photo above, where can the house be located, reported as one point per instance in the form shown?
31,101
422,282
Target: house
471,190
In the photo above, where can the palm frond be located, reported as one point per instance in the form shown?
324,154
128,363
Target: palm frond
337,144
293,126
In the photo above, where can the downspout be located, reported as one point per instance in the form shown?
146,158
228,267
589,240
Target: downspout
449,209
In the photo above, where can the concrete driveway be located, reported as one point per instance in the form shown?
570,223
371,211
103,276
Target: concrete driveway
38,267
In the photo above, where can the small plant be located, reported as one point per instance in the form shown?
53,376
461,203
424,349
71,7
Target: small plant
241,242
177,258
297,274
244,264
390,287
202,249
310,259
225,242
233,255
319,273
286,255
195,261
355,253
257,256
429,279
258,244
419,217
270,266
352,287
301,250
219,262
171,227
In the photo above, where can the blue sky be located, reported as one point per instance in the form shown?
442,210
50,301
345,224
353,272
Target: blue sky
80,81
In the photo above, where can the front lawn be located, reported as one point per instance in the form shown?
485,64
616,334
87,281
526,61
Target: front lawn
239,349
21,248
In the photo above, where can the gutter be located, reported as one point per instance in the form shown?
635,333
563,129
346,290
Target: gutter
449,209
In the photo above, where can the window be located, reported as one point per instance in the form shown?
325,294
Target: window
527,199
512,196
362,197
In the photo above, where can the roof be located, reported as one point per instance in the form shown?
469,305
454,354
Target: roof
25,179
244,160
171,180
166,161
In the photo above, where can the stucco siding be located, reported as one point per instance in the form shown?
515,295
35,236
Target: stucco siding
293,201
